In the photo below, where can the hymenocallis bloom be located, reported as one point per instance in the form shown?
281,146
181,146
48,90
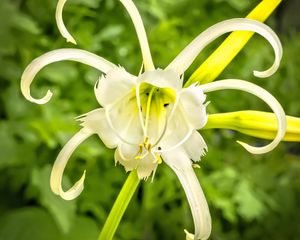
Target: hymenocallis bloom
152,118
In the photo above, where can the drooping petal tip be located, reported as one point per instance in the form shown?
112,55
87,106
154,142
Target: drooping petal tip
60,23
60,163
74,191
189,236
180,163
55,56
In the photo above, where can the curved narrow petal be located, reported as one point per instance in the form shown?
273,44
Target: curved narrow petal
189,236
192,101
182,166
114,85
188,55
60,23
96,122
262,94
55,56
141,33
60,164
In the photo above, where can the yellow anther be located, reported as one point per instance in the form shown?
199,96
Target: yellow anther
158,159
140,149
138,157
148,146
194,165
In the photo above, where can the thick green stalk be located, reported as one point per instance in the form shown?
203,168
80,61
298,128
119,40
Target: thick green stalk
255,123
119,207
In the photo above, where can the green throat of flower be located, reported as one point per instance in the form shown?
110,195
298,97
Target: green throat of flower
155,108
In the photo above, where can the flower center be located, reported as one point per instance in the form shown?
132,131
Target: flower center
144,149
155,106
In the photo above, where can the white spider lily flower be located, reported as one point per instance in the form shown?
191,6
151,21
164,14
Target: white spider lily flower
151,118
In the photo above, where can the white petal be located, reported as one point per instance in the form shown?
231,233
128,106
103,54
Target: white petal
114,85
123,118
55,56
195,146
128,151
125,155
162,79
141,33
189,236
146,166
188,55
182,167
129,164
262,94
60,164
60,23
96,122
192,101
178,131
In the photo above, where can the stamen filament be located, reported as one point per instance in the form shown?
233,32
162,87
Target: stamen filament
138,101
148,109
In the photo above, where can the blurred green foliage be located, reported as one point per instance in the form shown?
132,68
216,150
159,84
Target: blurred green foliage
250,197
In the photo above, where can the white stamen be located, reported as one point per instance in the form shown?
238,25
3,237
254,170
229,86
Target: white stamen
163,132
182,141
138,100
185,138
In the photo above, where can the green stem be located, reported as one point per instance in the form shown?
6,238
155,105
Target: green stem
119,207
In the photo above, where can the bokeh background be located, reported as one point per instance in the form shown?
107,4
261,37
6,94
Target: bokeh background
250,197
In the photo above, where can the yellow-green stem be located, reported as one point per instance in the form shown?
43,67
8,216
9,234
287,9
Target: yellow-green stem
119,207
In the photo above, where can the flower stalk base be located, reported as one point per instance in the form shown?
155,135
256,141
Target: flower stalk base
119,207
